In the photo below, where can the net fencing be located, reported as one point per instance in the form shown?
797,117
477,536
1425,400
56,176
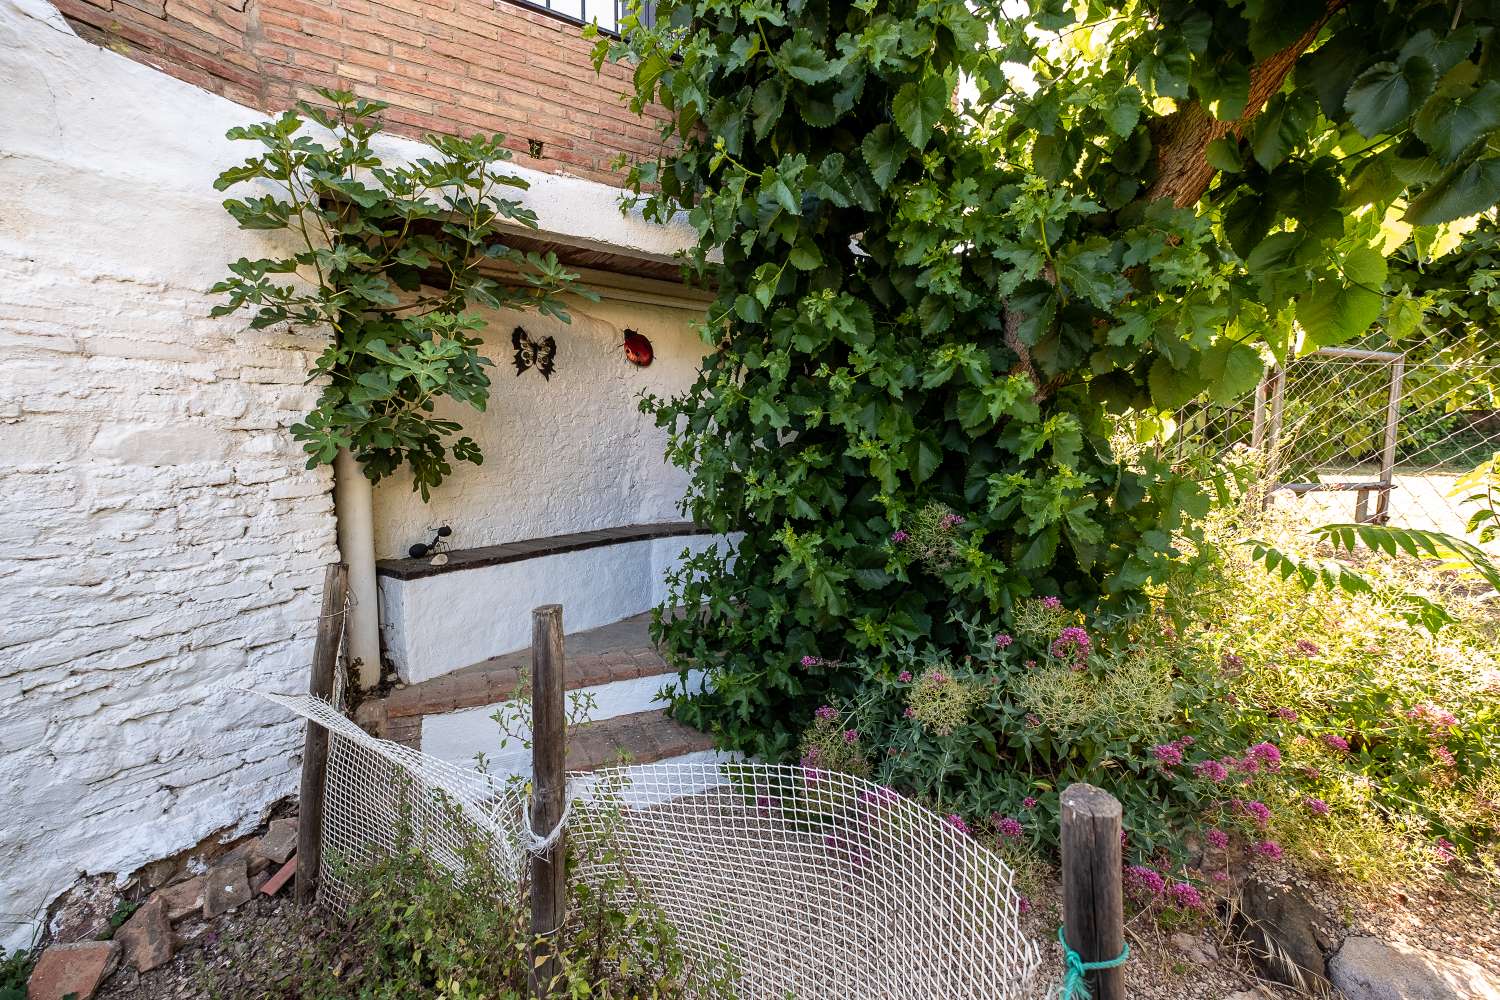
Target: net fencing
798,882
1382,434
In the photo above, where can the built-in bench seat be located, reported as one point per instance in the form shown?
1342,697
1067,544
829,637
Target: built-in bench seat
437,618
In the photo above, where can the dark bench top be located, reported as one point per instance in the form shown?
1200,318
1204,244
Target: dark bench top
533,548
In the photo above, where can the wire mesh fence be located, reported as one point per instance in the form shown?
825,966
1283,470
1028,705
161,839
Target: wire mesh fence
1365,434
794,881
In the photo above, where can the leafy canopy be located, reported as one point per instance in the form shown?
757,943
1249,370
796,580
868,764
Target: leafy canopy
389,259
963,251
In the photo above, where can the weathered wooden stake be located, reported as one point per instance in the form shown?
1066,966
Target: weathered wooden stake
315,743
1093,896
549,896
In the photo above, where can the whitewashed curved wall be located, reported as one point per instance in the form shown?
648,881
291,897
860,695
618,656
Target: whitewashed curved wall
569,453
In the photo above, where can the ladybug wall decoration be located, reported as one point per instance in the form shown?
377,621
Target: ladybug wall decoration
638,350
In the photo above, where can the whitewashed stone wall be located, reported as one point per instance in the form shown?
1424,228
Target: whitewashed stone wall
160,542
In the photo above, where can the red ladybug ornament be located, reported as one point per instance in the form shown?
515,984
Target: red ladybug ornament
638,350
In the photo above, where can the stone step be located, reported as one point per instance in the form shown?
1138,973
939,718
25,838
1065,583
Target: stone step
615,667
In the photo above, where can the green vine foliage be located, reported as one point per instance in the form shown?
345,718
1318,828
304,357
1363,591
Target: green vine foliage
388,259
954,245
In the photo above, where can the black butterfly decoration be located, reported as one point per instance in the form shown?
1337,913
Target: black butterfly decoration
531,354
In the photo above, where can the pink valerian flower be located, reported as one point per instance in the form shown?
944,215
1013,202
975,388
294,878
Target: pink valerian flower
898,536
1029,664
1316,806
767,805
1168,755
810,774
1231,662
1307,647
1024,905
1220,876
1436,718
904,677
938,677
1217,839
1212,770
813,661
1185,896
1312,773
1028,803
825,712
1003,640
952,520
957,822
1444,850
812,758
1072,646
1032,721
1258,811
1051,603
1335,742
1269,849
1143,881
851,736
910,713
1009,827
1444,756
1266,755
1286,714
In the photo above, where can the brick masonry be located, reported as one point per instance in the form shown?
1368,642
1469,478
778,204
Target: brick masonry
450,66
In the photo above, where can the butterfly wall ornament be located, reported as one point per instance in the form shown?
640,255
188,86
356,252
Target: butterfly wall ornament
541,355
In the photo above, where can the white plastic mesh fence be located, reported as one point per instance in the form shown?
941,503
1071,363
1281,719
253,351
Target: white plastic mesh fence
799,883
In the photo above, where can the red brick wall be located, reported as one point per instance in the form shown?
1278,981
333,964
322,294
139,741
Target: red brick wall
456,66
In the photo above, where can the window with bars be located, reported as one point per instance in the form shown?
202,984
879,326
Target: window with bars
607,13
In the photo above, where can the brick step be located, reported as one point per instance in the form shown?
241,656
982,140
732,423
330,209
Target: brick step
616,665
639,738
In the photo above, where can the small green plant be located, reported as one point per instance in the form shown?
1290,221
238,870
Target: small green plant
831,744
389,259
15,970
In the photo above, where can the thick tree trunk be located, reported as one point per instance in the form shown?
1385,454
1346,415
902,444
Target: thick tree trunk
1182,172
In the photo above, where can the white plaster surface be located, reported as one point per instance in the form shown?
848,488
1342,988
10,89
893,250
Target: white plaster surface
457,736
160,540
437,624
565,454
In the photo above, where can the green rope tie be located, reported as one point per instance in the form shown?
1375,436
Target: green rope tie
1074,983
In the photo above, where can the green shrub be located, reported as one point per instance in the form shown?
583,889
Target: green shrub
417,926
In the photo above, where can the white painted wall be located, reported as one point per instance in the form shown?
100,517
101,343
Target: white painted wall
433,625
159,538
565,454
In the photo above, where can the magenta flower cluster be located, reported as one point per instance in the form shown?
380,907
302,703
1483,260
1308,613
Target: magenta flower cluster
812,661
1003,640
904,677
1072,644
1258,811
1052,603
1167,754
957,822
1217,839
1028,802
1316,806
952,520
1212,770
1269,849
1009,827
851,736
1143,881
898,536
1185,896
825,713
1335,742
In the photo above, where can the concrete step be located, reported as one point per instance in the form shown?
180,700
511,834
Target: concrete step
615,667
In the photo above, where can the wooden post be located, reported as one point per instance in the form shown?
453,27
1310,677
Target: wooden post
549,891
1093,895
315,743
1392,434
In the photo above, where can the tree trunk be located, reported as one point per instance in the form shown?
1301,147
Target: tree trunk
1182,172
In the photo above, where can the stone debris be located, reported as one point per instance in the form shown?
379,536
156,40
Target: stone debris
74,970
279,841
183,899
1284,930
227,886
84,914
147,936
1368,968
1195,948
